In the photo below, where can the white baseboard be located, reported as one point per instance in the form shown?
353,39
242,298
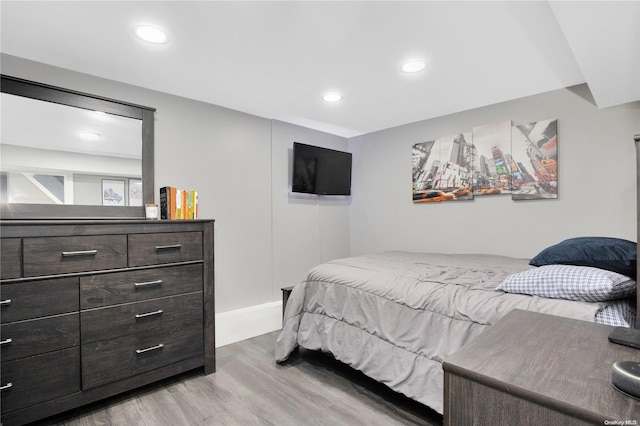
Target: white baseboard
246,323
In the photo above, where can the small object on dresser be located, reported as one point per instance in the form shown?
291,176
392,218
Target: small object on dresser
151,211
625,336
625,377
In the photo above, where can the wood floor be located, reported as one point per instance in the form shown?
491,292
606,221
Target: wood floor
249,388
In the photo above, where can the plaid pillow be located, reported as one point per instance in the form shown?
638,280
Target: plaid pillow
618,313
582,283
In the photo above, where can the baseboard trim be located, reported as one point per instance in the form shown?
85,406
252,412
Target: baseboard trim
245,323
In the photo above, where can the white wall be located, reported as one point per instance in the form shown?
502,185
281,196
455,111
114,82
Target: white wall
597,180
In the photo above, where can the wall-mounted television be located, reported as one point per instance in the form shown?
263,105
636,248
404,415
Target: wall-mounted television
321,171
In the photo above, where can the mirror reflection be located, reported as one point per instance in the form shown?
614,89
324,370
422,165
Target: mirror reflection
57,154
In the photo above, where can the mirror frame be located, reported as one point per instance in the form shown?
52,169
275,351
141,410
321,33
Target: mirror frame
58,95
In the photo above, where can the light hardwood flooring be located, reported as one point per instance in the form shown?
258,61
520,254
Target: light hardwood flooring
249,388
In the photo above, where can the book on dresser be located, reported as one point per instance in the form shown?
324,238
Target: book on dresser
90,309
178,203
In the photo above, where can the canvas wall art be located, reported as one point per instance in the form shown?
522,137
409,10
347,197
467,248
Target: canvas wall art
492,143
534,149
493,159
442,169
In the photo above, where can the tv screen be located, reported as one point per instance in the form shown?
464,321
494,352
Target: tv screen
321,171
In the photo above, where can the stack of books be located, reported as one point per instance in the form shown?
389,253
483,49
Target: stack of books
178,203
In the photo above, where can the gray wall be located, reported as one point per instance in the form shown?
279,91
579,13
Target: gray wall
226,156
596,174
266,237
307,229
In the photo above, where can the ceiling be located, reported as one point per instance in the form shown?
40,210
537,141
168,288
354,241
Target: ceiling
276,59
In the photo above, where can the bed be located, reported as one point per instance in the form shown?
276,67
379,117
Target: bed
396,315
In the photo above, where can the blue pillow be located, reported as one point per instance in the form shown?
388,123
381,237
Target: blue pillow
612,254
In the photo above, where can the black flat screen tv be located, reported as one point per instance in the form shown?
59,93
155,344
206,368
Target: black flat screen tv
321,171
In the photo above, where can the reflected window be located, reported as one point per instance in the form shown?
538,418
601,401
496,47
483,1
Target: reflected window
53,185
33,188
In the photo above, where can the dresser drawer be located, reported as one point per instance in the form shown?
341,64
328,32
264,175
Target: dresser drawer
153,316
11,259
153,249
28,381
60,255
33,337
111,360
40,298
133,286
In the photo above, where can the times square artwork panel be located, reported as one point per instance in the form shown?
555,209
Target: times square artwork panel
442,169
534,172
493,159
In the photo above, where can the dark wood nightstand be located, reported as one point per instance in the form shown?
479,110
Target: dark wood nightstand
286,291
533,369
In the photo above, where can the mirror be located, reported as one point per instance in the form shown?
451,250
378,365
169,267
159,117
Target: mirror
66,154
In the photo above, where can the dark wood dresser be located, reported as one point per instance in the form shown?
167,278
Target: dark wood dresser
92,308
537,369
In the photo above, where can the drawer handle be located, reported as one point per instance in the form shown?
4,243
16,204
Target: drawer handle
148,314
79,253
7,386
151,348
155,282
169,247
5,341
5,302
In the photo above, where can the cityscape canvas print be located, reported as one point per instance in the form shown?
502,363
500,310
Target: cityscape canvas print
442,169
492,162
492,159
535,172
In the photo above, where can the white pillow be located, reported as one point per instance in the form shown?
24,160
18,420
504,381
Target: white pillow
582,283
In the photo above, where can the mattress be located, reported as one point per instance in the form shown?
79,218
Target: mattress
396,315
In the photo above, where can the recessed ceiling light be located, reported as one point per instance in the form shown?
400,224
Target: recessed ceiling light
332,97
413,66
100,115
90,136
151,34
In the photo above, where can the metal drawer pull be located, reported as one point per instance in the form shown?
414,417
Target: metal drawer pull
5,302
151,348
79,253
170,246
155,282
5,341
148,314
7,386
